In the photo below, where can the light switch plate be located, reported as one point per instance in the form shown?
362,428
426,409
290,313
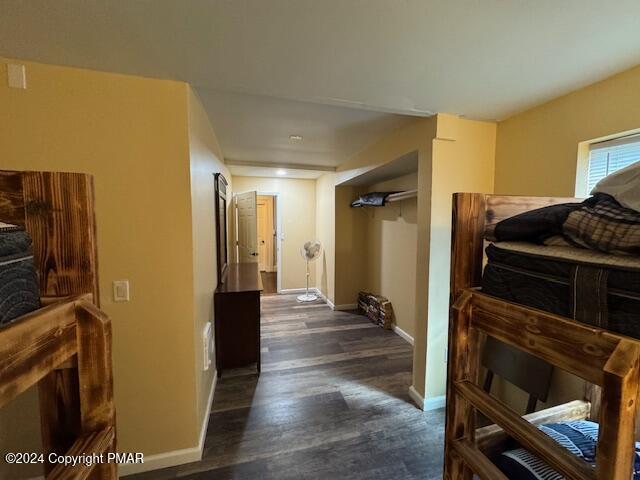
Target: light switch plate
16,76
121,291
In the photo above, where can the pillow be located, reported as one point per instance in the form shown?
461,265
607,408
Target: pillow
623,185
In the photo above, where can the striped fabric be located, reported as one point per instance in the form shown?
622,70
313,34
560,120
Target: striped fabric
580,438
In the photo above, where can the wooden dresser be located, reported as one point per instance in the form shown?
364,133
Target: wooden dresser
237,317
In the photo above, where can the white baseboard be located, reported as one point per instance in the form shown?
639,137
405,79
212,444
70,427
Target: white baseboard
428,404
402,333
434,403
346,306
291,291
329,302
176,457
205,420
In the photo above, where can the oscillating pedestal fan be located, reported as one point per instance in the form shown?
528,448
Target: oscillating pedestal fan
309,251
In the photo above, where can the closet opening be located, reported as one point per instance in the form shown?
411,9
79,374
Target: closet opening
377,224
267,241
257,223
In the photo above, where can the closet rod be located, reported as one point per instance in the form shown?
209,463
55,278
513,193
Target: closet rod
396,197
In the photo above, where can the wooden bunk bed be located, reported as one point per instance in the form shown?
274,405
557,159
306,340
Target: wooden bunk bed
65,346
609,363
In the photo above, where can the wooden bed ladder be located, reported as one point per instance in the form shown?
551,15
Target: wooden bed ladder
70,338
601,358
64,347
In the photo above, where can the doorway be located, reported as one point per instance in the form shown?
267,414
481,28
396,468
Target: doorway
257,217
267,250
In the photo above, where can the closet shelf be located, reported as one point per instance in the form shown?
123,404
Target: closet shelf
396,197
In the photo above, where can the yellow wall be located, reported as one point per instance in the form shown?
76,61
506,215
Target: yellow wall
537,150
462,161
326,233
297,199
415,137
206,158
132,134
454,154
350,247
20,432
392,249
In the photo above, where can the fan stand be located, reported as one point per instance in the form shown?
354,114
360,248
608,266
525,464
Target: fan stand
307,297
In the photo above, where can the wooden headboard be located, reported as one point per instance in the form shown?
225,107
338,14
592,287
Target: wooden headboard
474,218
57,209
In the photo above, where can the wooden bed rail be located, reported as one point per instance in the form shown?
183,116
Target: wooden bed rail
74,335
609,363
608,360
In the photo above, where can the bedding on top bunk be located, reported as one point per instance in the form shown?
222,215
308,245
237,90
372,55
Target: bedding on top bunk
579,437
598,223
578,260
592,287
19,291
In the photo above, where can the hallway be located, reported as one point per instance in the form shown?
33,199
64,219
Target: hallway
331,402
269,283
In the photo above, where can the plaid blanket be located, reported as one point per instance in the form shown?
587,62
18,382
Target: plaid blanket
602,224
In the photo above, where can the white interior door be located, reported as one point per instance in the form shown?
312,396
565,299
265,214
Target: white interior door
246,203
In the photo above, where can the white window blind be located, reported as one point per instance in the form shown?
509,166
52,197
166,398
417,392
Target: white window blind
610,156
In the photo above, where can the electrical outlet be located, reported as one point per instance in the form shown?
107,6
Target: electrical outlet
207,346
16,76
121,291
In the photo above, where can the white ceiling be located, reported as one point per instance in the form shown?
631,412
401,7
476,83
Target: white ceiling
259,171
257,128
483,59
397,168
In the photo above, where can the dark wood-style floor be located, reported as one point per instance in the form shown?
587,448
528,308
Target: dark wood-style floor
269,283
331,403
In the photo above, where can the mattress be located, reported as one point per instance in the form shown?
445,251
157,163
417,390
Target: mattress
19,290
592,287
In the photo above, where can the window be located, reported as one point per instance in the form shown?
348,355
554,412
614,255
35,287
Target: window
611,155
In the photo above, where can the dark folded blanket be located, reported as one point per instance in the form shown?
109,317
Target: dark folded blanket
535,225
373,199
599,223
